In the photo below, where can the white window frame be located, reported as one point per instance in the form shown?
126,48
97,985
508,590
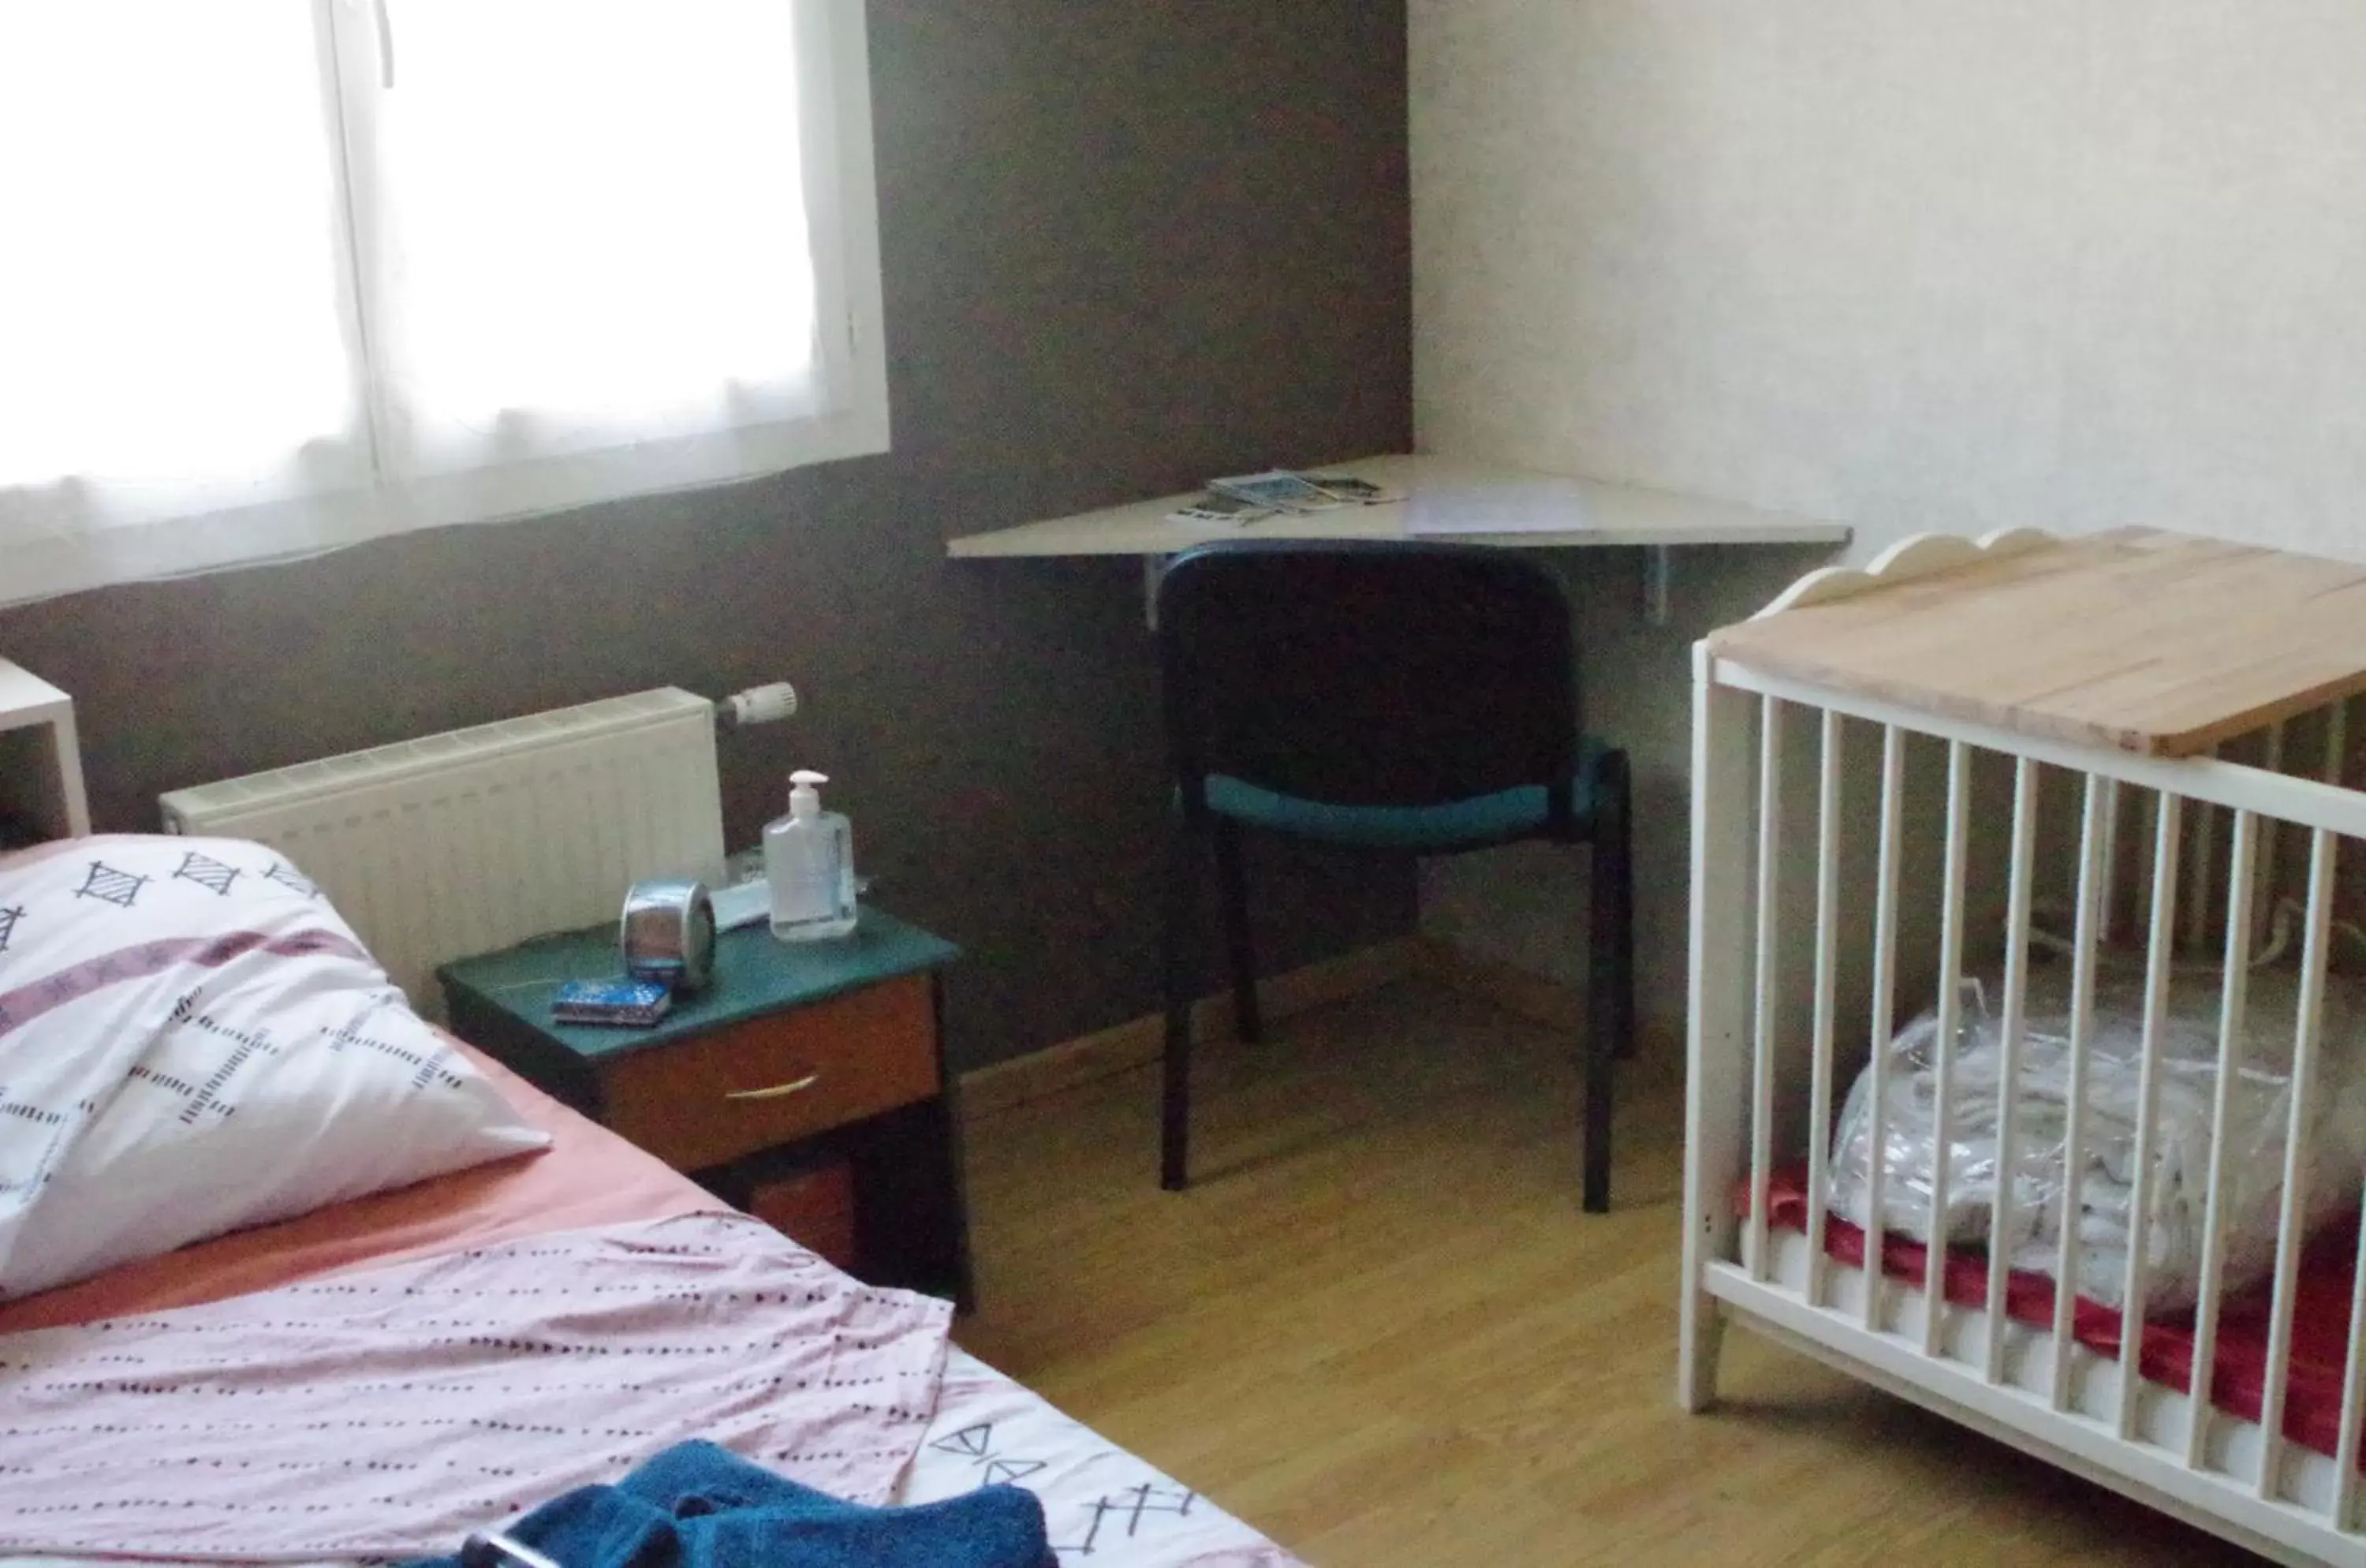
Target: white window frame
839,178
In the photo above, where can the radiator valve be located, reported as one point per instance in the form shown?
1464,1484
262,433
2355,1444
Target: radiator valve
760,705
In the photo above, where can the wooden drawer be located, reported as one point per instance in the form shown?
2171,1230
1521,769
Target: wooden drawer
813,1208
775,1080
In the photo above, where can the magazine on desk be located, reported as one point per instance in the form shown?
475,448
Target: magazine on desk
1243,499
1443,506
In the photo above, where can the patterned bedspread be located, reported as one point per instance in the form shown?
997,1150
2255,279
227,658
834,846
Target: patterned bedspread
1104,1507
389,1411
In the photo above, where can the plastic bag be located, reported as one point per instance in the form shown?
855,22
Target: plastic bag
2259,1113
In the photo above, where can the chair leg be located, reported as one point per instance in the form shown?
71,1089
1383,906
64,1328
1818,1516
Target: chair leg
1240,950
1618,870
1600,1071
1610,981
1176,952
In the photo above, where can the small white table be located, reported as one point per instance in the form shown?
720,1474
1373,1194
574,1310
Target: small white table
40,760
1554,512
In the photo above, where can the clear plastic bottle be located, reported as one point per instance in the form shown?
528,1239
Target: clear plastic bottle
809,862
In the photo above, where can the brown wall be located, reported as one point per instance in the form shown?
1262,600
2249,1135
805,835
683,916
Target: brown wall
1126,246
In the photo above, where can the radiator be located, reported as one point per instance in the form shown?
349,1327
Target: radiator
461,843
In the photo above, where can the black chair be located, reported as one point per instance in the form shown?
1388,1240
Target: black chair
1407,698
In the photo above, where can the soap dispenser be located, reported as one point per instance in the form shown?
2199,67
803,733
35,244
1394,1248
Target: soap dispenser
809,862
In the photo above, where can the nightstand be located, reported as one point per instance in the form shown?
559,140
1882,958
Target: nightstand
41,763
797,1061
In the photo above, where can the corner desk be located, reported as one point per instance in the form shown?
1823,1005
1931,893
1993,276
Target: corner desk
1445,499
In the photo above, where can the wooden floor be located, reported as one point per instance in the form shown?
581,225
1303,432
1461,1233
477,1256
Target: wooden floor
1379,1329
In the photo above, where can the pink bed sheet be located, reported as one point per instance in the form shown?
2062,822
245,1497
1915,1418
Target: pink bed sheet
587,1176
387,1412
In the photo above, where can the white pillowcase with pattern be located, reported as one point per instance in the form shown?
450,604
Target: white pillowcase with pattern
192,1041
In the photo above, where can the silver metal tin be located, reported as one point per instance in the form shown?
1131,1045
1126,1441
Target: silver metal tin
666,934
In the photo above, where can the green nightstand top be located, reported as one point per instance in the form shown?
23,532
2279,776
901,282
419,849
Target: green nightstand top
754,975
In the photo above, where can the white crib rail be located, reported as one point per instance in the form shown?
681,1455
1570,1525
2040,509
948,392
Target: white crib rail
1885,1005
2015,1023
2094,896
2290,1221
1951,1007
2201,887
1827,944
1762,1055
2234,995
1717,1013
2168,837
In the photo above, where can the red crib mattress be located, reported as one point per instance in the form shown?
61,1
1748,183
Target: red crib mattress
2238,1376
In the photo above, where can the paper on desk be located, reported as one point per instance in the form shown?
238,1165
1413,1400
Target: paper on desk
1529,504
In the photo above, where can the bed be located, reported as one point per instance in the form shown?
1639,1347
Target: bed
225,1353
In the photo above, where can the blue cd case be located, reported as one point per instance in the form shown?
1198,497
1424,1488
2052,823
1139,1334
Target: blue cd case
628,1004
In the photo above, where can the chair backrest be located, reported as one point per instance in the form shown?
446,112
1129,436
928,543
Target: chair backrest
1378,673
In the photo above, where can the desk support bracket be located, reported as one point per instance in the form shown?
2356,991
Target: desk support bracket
1154,572
1659,571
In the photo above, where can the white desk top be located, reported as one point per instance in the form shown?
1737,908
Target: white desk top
1601,514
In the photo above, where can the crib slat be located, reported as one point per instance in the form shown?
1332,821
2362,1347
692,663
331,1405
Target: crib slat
2306,1030
2353,1388
2094,892
1762,1071
2168,837
1951,1017
1884,1013
1716,1031
2234,997
2016,995
2353,1377
1820,1094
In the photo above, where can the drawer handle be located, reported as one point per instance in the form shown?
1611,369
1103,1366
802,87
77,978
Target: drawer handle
778,1091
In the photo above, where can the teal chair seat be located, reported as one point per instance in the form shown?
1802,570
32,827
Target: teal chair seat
1488,819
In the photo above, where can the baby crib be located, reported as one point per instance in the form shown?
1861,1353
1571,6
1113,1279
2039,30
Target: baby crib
2021,938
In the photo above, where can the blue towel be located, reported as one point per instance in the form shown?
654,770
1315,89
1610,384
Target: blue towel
697,1505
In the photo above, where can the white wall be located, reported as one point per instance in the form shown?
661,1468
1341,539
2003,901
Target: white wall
1913,264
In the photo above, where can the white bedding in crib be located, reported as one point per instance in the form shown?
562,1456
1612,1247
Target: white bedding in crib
2258,1114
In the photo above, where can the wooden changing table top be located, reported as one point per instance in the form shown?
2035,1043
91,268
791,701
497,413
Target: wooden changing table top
2145,641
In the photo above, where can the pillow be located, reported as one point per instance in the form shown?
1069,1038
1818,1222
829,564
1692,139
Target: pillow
192,1041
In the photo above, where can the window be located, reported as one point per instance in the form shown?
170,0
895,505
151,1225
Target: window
278,275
